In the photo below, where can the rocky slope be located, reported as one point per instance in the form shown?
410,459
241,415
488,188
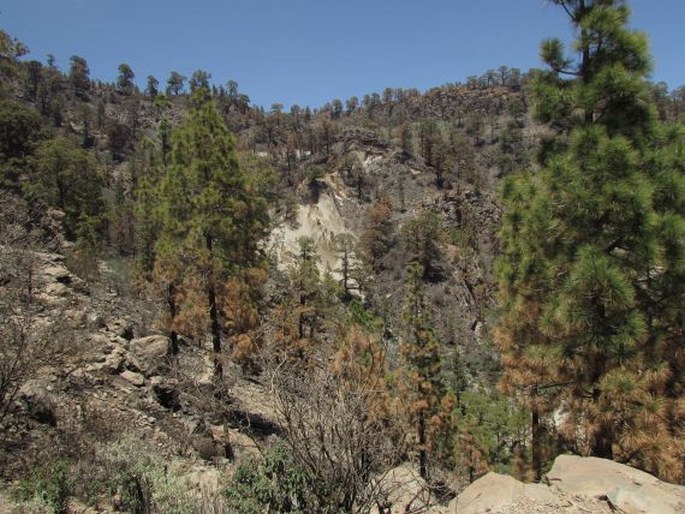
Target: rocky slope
340,201
109,379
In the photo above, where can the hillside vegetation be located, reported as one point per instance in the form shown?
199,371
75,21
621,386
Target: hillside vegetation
206,306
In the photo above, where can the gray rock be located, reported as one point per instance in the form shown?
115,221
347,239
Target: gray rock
39,402
57,289
576,484
58,273
113,363
122,328
630,500
95,320
133,378
148,354
491,493
98,342
135,364
628,489
151,347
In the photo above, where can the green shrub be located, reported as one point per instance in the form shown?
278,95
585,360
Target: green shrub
364,317
276,484
144,481
47,489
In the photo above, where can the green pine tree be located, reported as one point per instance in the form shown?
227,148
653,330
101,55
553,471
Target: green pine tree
213,215
66,177
593,253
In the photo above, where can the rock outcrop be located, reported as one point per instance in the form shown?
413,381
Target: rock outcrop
574,485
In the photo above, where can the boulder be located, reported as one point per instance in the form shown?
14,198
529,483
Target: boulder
39,402
58,273
57,290
575,485
55,273
147,354
133,378
627,489
94,320
498,493
152,347
122,328
113,363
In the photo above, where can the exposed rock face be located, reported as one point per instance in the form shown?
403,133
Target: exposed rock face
57,278
575,485
321,221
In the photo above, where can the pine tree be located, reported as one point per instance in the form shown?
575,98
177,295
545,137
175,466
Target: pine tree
66,177
306,286
424,236
147,174
309,309
429,402
213,215
378,236
346,244
593,253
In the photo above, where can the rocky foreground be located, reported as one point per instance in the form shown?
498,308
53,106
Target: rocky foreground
574,485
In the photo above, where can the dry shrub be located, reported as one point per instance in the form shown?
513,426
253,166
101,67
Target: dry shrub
338,421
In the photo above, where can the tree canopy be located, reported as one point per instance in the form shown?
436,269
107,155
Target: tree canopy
212,215
593,253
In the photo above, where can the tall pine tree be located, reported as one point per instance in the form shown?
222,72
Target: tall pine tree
593,254
429,404
213,216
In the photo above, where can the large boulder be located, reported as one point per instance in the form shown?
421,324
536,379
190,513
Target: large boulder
133,378
627,489
574,485
56,275
499,493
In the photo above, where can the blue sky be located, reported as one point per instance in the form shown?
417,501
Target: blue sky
311,51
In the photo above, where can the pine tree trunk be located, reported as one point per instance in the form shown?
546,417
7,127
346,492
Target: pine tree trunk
602,444
173,310
300,320
536,431
585,64
345,272
214,318
216,330
423,455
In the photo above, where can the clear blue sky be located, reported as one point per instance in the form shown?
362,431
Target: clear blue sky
311,51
